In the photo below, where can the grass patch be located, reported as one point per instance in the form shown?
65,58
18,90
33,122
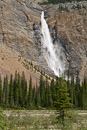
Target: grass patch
43,120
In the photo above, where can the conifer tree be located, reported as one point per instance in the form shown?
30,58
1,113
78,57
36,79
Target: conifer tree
84,94
49,97
16,97
1,93
53,89
19,90
15,89
25,92
11,96
77,91
6,91
46,93
33,96
23,85
30,93
62,99
37,96
42,91
72,90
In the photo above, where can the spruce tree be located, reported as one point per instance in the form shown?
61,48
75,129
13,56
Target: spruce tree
19,90
72,90
23,86
33,96
50,102
42,91
77,91
6,91
84,94
30,93
37,96
11,96
15,89
62,101
46,93
53,89
1,93
25,92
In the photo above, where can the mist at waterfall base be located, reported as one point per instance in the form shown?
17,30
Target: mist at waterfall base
52,52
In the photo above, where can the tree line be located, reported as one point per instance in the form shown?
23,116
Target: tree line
59,1
16,92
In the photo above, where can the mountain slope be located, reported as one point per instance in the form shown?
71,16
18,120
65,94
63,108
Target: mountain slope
20,30
11,61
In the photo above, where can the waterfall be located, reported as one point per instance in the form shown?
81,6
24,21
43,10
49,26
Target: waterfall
52,53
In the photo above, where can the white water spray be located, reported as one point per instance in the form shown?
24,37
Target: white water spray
52,53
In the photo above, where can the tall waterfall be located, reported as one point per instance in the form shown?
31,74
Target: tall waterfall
52,53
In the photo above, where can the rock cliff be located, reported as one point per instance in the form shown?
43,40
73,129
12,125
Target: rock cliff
70,24
20,31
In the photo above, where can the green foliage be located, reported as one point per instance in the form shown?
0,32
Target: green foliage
62,101
11,96
30,93
17,94
23,89
3,121
43,120
55,2
6,91
61,8
58,1
1,93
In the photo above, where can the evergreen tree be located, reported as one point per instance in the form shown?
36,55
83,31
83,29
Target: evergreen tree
72,90
84,94
50,102
37,96
46,93
23,85
1,93
6,91
42,91
62,99
77,91
33,96
53,89
11,96
30,93
19,90
25,92
15,89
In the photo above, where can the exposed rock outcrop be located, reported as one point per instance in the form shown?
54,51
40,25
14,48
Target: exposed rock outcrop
71,28
20,30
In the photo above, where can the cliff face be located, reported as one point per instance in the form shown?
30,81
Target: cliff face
17,19
20,30
71,28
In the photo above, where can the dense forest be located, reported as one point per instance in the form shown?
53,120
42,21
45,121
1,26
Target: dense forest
59,1
16,92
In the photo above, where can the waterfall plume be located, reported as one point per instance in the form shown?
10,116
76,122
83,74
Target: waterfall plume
52,52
